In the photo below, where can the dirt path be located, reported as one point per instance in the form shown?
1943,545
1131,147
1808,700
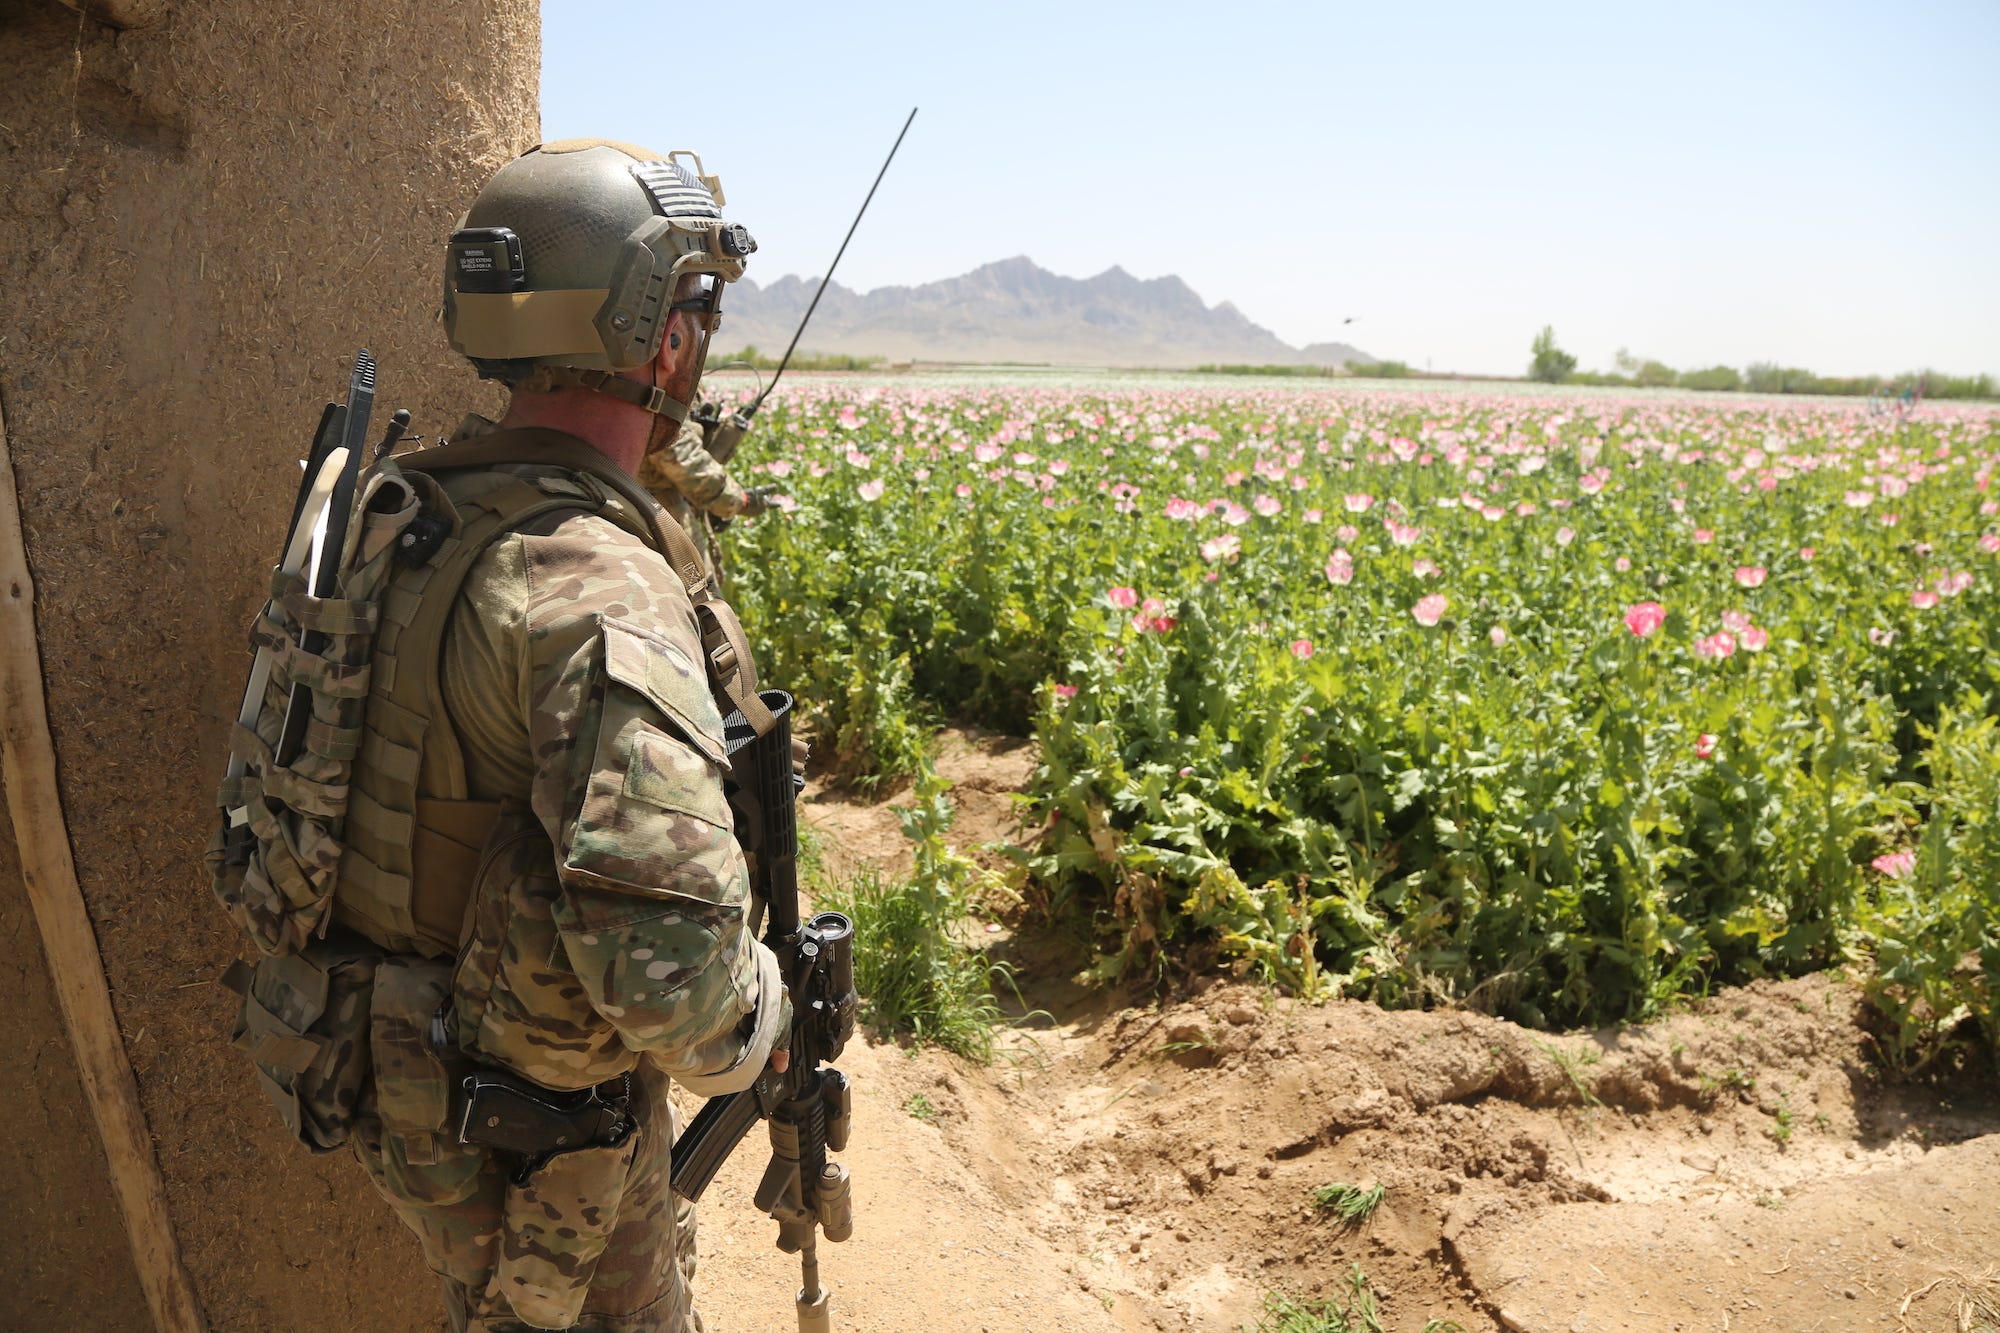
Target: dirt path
1733,1167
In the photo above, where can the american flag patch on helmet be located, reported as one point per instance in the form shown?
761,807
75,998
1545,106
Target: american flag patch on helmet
675,191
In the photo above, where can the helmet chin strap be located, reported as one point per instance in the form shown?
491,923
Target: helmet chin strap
649,397
668,412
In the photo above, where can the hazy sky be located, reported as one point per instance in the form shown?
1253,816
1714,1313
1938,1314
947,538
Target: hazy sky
1817,185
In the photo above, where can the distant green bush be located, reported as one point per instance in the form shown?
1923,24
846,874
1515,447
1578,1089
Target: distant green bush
1719,378
1379,370
1552,365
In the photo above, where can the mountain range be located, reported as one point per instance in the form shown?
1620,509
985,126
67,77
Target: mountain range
1014,310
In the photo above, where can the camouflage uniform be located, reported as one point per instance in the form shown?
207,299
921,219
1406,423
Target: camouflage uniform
607,931
690,483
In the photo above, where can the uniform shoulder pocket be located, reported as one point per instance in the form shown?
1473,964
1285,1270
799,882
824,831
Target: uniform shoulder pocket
654,819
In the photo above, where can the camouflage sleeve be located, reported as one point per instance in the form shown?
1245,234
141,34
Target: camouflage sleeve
626,745
687,467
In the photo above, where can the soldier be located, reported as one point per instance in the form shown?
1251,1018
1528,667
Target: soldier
578,752
689,482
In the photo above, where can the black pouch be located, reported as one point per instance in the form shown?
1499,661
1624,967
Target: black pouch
304,1024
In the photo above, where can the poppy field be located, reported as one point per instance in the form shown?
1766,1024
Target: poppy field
1565,706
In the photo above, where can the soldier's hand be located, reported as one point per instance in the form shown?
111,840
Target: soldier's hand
761,499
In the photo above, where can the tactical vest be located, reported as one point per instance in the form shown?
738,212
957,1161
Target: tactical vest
413,834
375,821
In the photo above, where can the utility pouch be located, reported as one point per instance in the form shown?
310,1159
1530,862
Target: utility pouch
304,1024
413,1075
554,1228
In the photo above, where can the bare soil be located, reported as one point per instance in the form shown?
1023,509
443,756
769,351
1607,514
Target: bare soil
1142,1166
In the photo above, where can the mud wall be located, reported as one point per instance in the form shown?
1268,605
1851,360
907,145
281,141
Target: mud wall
200,221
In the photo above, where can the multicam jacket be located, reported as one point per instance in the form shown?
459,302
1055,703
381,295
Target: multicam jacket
607,933
685,478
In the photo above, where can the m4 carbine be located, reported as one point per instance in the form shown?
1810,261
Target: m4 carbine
808,1106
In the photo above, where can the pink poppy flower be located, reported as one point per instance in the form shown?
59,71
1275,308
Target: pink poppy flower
1235,515
778,467
1346,533
1704,745
855,458
1497,635
1403,535
1065,691
1267,505
1312,515
1622,564
1643,618
1736,621
1751,576
1880,637
1754,640
1923,599
961,490
1951,585
871,490
1808,552
1990,543
1182,509
1122,597
1718,645
1896,865
1340,568
1425,569
1858,499
1565,535
1359,504
1302,648
1703,536
1429,610
1225,547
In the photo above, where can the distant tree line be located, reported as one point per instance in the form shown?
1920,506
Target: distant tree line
800,361
1381,370
1552,365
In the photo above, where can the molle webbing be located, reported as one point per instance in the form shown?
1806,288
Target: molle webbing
413,834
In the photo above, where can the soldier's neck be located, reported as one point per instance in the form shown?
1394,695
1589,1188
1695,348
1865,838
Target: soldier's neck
615,429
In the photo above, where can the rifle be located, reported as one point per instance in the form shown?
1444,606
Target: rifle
809,1105
721,437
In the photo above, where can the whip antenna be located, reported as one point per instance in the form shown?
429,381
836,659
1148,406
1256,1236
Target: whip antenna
786,359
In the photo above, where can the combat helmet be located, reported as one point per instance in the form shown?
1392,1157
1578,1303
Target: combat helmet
564,269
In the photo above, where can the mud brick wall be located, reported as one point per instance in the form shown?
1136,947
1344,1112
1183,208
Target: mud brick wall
201,219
